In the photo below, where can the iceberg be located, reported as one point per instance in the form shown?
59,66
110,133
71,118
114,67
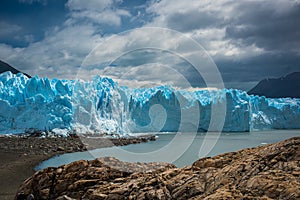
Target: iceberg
102,106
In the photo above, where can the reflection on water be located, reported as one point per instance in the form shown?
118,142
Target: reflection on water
158,151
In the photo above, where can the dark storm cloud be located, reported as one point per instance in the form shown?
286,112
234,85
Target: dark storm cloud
245,74
267,26
167,59
271,26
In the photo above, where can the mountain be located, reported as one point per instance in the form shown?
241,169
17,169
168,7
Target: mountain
288,86
4,67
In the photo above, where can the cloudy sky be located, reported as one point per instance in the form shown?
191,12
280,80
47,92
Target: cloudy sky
246,40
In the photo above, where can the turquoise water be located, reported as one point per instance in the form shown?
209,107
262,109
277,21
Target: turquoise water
181,149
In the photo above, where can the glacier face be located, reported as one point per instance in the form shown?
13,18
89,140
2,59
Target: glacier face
104,107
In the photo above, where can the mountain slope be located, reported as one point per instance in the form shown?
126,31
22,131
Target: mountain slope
4,67
288,86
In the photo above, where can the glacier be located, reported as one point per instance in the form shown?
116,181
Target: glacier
102,106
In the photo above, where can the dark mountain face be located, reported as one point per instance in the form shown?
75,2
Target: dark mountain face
288,86
4,67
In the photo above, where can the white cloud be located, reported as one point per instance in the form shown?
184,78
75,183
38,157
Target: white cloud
62,49
182,54
148,37
6,51
109,17
99,12
7,29
211,36
78,5
146,75
193,18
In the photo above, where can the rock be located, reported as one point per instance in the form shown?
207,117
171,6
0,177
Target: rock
44,194
152,138
21,196
59,170
64,197
30,197
266,172
59,148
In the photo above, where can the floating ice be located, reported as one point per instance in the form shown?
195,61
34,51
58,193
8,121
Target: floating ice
102,106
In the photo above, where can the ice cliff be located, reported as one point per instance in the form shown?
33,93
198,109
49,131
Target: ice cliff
102,106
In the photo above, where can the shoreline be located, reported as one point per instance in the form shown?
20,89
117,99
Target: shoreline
19,155
265,172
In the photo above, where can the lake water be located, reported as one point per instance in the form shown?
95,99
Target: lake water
181,149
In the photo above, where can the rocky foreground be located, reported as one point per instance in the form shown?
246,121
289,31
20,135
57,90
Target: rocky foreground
266,172
19,154
29,145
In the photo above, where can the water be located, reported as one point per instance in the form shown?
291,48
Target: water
181,149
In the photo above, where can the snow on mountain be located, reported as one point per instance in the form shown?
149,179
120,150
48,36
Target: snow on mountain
102,106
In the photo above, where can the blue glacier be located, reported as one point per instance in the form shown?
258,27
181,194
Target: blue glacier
102,106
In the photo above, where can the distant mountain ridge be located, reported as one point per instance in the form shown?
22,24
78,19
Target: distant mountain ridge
287,86
4,67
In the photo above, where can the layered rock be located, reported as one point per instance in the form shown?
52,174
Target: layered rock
266,172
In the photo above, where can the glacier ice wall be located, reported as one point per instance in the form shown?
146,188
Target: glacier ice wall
104,107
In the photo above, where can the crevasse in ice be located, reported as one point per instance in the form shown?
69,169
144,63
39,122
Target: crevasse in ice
102,106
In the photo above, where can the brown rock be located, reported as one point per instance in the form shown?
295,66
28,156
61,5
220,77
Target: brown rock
59,148
64,197
266,172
